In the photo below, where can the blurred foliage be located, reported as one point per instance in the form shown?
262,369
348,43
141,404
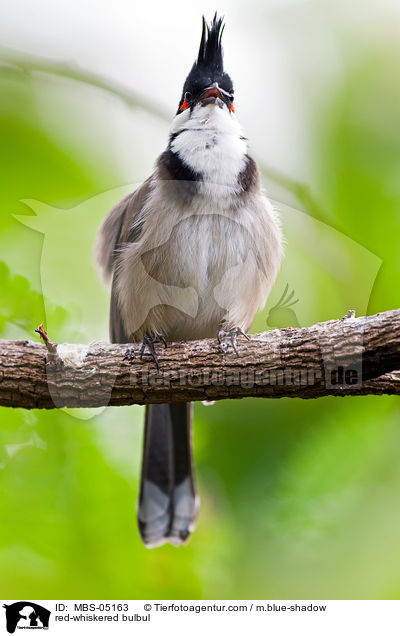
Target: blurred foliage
21,306
359,167
299,498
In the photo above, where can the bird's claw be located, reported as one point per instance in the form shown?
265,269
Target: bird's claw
232,334
129,354
149,341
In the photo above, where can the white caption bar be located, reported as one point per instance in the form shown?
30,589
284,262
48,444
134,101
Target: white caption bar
200,617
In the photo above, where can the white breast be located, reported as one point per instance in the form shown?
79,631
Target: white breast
211,142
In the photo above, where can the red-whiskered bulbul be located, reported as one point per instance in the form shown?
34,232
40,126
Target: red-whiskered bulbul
192,253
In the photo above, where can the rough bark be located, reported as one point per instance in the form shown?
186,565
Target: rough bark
351,356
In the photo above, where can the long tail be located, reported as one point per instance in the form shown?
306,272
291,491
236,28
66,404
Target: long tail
168,501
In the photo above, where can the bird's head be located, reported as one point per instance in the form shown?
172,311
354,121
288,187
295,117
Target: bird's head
207,83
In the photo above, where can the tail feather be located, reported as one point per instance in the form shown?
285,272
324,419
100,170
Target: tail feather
168,500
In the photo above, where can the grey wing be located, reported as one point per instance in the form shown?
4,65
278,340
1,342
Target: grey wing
115,229
114,232
116,327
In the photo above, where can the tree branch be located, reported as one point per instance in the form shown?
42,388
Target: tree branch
351,356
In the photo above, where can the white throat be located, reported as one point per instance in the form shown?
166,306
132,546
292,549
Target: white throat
210,140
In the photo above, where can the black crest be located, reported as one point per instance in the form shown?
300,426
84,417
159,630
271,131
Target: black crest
210,51
209,66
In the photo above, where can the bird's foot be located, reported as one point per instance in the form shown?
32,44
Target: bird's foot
130,354
149,342
227,339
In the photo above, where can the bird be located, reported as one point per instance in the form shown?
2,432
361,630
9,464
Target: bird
192,253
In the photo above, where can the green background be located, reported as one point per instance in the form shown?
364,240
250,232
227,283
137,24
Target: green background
299,499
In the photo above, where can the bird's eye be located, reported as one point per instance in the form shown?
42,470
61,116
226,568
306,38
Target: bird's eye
186,101
231,97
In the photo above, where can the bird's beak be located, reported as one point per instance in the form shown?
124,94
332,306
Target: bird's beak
212,93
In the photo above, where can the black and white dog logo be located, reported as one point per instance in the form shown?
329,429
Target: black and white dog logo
26,615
